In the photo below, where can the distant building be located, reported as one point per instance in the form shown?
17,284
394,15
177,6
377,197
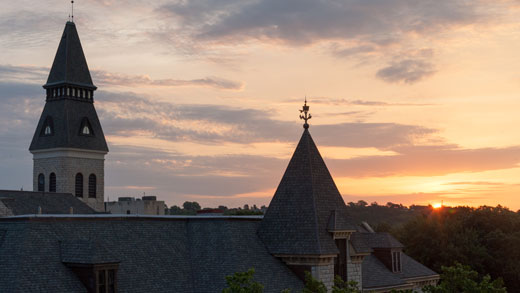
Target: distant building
14,203
147,205
210,212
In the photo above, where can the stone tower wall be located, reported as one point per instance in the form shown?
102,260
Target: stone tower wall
66,169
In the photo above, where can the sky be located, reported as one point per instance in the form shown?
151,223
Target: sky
413,102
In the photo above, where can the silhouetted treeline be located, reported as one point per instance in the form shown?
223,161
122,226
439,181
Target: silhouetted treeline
192,207
384,217
485,238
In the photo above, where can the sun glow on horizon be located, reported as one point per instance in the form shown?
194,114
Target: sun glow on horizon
437,205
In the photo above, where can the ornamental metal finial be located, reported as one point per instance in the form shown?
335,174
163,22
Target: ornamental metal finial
72,9
306,115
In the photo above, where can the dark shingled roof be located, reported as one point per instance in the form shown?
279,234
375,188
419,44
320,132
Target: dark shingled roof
82,251
67,116
382,240
360,243
298,216
27,202
70,65
156,254
376,274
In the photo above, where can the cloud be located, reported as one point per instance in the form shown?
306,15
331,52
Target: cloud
126,114
23,72
428,161
301,22
356,102
107,78
408,71
39,74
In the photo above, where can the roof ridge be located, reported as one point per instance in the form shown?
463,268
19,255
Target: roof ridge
316,223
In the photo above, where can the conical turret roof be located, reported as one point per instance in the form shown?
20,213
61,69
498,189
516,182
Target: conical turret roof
306,207
70,65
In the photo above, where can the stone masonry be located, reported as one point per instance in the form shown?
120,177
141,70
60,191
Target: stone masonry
66,169
354,272
324,273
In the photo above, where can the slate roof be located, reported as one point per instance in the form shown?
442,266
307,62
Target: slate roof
375,274
156,254
298,216
83,251
377,240
67,116
360,243
70,65
27,202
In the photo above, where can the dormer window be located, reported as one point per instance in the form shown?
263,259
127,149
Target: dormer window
86,128
48,127
396,261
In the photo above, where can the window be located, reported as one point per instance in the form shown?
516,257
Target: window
396,261
52,182
41,182
79,185
106,281
340,262
48,127
92,185
86,129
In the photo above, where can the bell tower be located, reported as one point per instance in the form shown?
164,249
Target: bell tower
68,145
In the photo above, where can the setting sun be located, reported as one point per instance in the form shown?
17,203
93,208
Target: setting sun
437,205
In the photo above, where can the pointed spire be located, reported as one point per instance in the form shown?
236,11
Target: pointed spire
70,66
306,208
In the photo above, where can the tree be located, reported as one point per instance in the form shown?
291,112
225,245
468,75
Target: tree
341,286
361,203
175,210
461,278
242,282
485,238
191,206
312,285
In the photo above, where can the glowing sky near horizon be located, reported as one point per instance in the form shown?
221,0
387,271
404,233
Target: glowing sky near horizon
413,102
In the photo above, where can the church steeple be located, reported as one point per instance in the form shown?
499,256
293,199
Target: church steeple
69,76
68,145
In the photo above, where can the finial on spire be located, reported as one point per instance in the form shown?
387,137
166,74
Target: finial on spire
306,115
72,9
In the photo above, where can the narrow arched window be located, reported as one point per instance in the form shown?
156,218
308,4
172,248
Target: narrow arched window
52,182
48,127
41,182
86,128
79,185
92,185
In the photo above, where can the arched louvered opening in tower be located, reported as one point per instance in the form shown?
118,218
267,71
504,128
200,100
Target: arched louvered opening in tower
92,186
48,127
41,182
79,185
52,182
86,128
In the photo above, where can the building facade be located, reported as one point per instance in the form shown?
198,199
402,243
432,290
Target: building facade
68,145
147,205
